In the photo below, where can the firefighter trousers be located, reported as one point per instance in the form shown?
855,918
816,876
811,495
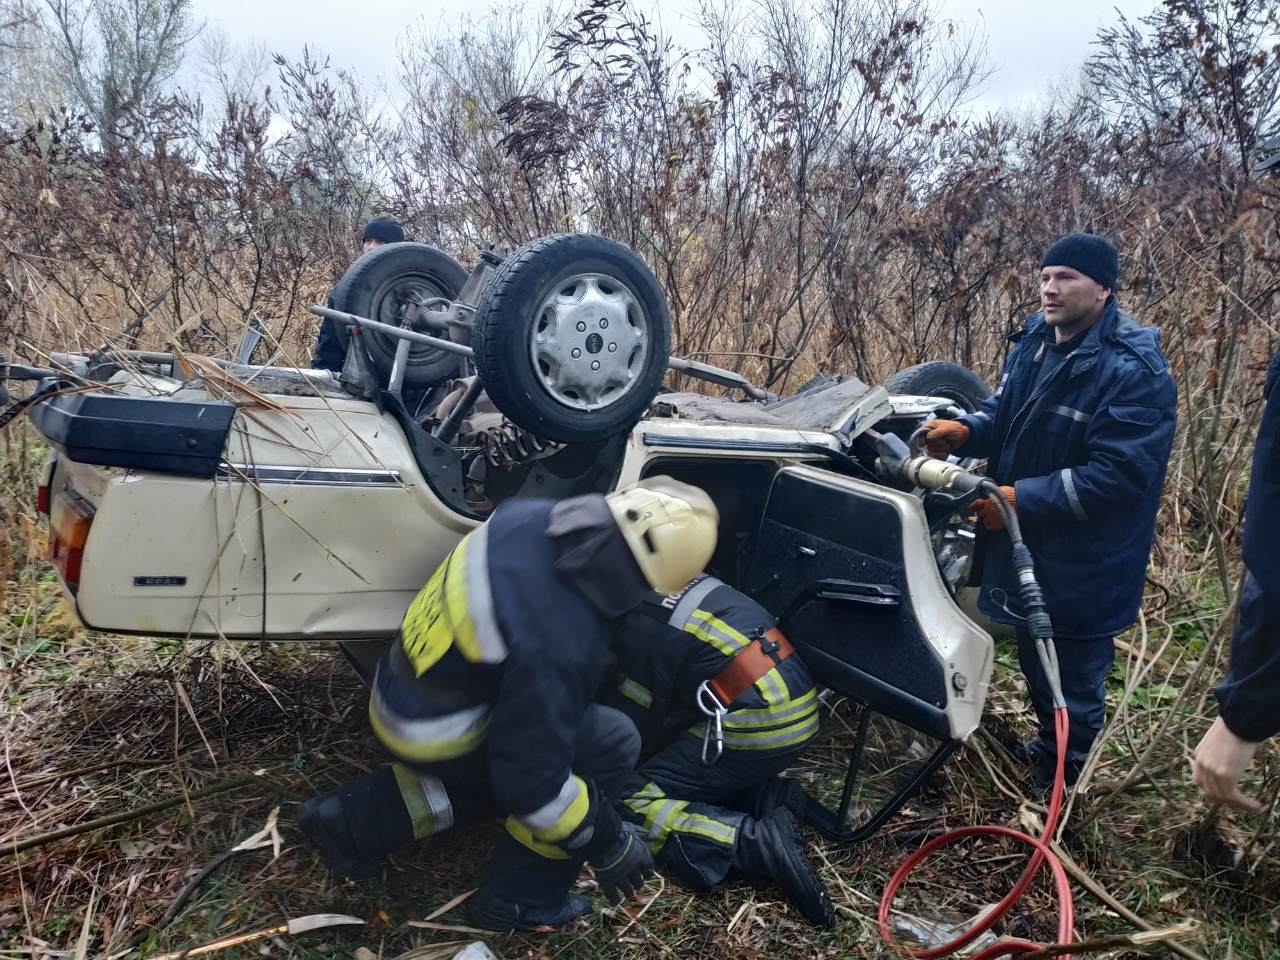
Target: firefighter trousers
687,808
401,802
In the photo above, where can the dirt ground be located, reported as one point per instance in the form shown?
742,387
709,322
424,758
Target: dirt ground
228,735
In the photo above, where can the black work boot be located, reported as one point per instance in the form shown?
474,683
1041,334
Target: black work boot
771,849
355,826
323,821
491,912
764,798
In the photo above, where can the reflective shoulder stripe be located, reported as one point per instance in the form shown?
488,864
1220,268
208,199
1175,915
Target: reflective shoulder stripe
490,647
636,692
691,600
1069,485
428,739
1070,413
562,815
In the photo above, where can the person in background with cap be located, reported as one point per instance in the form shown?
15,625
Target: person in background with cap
483,700
1078,435
330,352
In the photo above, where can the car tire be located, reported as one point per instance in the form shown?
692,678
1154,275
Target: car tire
378,285
941,378
572,338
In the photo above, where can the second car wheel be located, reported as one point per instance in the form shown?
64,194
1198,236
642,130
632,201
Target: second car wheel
381,285
572,337
941,378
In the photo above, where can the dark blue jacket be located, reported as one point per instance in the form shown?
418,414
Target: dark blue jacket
1086,452
1247,694
1262,512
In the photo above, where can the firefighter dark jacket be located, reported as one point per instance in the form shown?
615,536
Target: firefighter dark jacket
667,646
501,653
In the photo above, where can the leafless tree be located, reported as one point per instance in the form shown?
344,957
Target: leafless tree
119,54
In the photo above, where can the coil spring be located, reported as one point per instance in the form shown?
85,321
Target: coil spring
507,446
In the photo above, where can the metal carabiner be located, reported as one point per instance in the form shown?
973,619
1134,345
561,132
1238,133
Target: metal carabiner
710,705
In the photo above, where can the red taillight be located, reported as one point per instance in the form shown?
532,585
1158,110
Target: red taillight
44,490
69,520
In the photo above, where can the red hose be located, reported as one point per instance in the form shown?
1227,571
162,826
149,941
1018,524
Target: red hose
1004,948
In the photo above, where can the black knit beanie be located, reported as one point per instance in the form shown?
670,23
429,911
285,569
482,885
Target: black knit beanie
1092,255
384,228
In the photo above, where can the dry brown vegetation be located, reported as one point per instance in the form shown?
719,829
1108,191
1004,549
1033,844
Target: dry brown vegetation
811,194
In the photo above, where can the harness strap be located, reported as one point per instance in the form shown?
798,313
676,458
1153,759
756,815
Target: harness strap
750,664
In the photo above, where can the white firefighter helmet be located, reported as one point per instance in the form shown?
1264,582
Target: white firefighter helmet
670,527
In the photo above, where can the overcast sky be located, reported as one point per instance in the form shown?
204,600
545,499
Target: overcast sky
1030,45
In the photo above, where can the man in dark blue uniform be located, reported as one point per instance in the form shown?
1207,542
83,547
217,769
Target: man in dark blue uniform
484,700
1248,713
712,806
1078,434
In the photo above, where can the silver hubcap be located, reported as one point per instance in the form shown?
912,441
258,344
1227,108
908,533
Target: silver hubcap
589,342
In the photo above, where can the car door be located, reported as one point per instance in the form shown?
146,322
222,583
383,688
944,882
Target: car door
848,568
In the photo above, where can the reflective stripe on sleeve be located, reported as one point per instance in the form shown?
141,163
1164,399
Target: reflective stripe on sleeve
556,820
525,836
636,692
716,632
1069,485
428,739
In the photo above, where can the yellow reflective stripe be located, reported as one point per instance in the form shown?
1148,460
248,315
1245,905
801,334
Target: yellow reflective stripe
701,826
431,739
772,715
425,631
636,692
772,739
525,836
556,820
415,802
716,632
665,817
772,688
455,598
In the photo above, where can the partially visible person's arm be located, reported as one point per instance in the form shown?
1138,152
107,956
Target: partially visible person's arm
1220,760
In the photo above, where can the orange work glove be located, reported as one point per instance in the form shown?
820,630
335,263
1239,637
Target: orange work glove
944,437
990,514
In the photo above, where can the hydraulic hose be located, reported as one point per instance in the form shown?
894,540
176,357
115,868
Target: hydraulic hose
1041,629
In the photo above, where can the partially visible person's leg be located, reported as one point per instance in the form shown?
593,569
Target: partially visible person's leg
677,799
1083,663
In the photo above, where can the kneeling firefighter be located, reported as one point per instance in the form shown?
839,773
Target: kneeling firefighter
711,801
484,698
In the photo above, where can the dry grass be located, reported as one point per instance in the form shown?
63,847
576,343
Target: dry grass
97,725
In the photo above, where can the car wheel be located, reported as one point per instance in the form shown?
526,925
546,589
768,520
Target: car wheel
381,285
941,378
572,338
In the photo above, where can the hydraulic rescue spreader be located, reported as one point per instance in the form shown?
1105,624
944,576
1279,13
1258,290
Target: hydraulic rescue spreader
906,463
